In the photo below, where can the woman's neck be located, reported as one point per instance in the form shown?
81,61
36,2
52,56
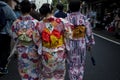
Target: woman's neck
25,14
49,15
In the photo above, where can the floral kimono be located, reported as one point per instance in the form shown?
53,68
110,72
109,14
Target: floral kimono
23,30
81,38
52,48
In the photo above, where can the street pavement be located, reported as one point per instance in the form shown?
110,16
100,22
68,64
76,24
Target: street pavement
107,59
106,55
106,34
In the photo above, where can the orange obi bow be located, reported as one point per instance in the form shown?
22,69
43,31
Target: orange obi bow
52,40
79,31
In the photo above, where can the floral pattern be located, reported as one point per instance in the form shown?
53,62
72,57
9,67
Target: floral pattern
53,48
77,46
24,30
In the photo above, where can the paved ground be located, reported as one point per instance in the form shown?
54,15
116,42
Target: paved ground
105,33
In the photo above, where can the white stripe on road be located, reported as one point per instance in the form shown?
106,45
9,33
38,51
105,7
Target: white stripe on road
107,39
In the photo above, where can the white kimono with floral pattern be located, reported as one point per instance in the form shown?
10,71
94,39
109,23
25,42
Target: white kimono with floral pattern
52,48
28,58
77,47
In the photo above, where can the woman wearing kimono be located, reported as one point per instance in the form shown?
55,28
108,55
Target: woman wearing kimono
24,33
82,38
52,48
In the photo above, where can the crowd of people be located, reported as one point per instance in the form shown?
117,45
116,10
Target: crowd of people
47,41
112,22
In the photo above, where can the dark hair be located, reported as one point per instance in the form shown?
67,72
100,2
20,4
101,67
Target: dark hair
25,6
3,0
60,6
17,7
74,5
45,9
33,6
119,13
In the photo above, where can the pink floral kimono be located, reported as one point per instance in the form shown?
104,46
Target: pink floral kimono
24,31
77,45
52,48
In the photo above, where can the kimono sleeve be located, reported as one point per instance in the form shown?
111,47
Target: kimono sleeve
13,30
37,38
67,29
67,33
36,35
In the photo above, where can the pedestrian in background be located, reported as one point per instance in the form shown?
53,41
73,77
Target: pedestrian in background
52,48
24,33
8,16
60,11
117,24
82,38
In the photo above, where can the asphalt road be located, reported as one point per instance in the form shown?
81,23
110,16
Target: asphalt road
107,57
107,66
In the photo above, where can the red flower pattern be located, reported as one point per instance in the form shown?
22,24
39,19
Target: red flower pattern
50,19
72,27
45,57
56,33
58,20
26,76
24,55
46,36
36,79
13,28
35,61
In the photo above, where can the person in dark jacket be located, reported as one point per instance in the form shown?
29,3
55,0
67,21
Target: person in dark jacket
60,13
5,39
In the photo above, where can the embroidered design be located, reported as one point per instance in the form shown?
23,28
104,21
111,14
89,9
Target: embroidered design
79,31
25,35
51,37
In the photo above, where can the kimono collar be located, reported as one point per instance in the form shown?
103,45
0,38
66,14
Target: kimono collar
26,17
49,19
75,13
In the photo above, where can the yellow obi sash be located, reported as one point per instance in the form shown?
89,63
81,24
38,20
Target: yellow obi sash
79,32
54,42
51,39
